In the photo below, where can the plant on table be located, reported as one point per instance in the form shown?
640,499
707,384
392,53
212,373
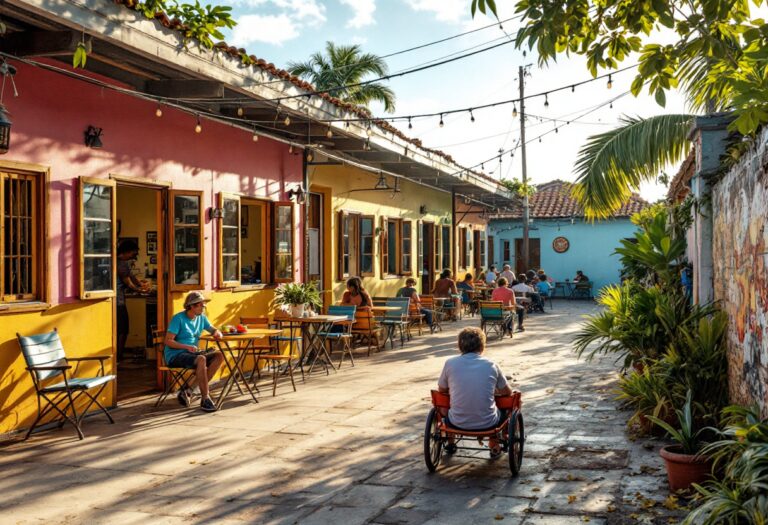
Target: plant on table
297,294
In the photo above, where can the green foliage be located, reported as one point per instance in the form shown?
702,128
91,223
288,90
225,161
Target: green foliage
296,294
342,66
613,164
200,22
517,187
686,436
646,392
742,495
484,6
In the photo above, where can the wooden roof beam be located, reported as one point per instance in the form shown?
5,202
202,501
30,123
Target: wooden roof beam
189,89
43,43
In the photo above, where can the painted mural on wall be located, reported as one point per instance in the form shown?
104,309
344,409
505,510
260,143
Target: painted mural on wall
740,217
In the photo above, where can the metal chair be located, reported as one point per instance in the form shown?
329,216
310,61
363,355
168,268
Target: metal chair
428,303
494,317
46,361
396,319
582,289
270,353
345,335
173,378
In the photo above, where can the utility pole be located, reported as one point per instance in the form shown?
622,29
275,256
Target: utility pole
526,211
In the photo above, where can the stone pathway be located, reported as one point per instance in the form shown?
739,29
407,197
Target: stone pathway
347,448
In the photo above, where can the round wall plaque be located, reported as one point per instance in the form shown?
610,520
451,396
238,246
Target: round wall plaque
560,244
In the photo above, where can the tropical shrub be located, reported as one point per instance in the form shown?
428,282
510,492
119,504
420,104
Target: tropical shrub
687,434
646,391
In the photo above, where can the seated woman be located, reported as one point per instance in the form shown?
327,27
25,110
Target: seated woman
467,286
580,277
472,381
409,291
507,298
445,287
356,295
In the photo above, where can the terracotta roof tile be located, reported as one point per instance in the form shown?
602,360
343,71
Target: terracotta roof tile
552,200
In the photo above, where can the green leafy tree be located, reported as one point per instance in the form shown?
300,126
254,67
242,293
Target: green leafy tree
343,67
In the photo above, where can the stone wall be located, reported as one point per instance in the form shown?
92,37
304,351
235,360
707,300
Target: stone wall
740,237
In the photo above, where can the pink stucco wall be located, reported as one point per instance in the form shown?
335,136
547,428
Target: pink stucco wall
49,117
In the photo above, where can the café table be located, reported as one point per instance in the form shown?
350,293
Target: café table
234,356
566,287
315,330
440,305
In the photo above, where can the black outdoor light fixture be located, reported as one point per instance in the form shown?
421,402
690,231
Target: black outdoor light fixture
296,194
93,137
381,184
5,130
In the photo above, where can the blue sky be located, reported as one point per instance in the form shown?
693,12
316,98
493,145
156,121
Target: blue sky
281,31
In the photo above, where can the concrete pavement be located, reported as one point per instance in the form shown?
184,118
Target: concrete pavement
347,448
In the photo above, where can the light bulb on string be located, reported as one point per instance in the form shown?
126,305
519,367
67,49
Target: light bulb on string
514,110
546,100
329,133
240,111
198,127
573,89
609,85
410,126
287,120
441,120
290,149
368,130
310,157
255,137
611,105
471,116
159,112
539,139
346,124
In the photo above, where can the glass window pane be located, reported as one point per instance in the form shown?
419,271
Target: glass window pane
283,267
230,268
284,217
367,245
186,240
283,241
231,236
187,270
97,201
366,263
366,226
97,273
230,212
186,209
97,237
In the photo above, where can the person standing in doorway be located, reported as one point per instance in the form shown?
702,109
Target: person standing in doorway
127,252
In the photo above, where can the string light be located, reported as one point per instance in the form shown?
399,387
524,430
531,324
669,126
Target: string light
240,111
290,149
573,89
611,106
346,124
410,126
368,130
471,116
255,137
329,133
198,127
514,110
441,120
546,100
609,85
287,120
310,157
159,112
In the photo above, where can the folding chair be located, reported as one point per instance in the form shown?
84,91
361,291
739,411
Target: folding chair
415,317
493,316
366,328
270,353
173,378
396,319
428,302
45,358
345,335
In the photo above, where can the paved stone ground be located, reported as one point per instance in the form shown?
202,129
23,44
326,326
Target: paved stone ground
347,448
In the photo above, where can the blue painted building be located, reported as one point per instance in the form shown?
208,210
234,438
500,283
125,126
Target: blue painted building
561,241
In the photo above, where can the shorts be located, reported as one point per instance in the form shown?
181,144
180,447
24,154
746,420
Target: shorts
188,359
122,320
502,417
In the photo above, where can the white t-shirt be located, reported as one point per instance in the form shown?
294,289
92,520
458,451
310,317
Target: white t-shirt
520,287
508,275
471,380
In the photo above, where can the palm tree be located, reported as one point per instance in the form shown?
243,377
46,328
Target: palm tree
339,71
614,163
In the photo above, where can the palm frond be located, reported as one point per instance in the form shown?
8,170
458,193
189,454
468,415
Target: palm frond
614,163
374,92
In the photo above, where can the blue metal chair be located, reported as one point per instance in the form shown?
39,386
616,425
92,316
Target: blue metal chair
396,319
46,361
344,335
494,317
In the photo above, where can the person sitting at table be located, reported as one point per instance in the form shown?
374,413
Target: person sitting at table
507,273
521,286
550,280
472,381
409,291
507,298
480,278
580,277
464,287
356,295
445,287
544,289
182,351
491,276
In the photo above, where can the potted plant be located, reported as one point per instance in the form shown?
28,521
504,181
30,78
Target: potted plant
684,461
296,296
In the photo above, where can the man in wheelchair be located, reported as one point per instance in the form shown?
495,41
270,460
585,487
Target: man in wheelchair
472,381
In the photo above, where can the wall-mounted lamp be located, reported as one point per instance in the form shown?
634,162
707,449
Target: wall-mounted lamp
5,130
93,137
381,184
423,209
296,194
216,213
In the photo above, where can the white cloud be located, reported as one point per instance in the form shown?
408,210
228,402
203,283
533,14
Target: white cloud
282,20
269,29
363,10
453,11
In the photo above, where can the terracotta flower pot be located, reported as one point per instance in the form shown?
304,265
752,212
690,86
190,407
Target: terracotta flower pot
685,469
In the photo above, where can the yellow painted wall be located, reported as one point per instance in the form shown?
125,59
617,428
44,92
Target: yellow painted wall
81,328
404,205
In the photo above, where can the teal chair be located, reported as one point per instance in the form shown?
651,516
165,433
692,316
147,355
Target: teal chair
493,316
396,319
57,388
342,331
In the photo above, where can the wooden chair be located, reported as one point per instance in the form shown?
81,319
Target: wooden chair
493,316
173,378
366,328
428,302
582,290
415,317
269,353
46,361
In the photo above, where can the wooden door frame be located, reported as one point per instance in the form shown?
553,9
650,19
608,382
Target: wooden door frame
428,256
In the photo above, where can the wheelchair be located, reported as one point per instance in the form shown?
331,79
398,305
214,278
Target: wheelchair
510,432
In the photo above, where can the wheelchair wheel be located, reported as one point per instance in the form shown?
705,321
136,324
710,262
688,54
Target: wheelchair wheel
516,437
433,442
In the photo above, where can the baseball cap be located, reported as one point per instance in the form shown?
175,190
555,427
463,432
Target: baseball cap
194,298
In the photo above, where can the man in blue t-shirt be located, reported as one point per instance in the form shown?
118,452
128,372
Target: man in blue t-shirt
181,350
544,288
